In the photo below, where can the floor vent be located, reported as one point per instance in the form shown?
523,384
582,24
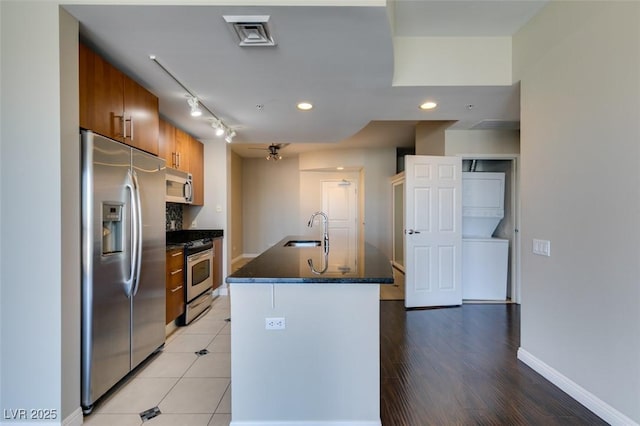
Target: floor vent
251,30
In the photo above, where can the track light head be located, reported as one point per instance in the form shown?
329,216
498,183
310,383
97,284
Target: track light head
218,126
230,135
195,106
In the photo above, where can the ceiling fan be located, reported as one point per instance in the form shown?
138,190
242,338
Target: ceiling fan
274,149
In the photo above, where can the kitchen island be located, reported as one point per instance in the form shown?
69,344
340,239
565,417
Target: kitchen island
305,335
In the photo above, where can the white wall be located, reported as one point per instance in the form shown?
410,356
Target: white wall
452,61
32,359
579,65
482,142
213,215
1,206
321,369
70,193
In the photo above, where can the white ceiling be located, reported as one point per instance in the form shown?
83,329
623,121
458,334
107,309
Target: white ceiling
339,58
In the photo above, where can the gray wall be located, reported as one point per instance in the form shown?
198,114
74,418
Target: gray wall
39,301
579,65
270,192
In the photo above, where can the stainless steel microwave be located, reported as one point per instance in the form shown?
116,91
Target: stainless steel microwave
179,187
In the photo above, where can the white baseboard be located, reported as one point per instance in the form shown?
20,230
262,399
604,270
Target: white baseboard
74,419
577,392
307,423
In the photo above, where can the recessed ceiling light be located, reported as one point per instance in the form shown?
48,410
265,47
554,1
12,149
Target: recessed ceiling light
428,105
304,106
339,168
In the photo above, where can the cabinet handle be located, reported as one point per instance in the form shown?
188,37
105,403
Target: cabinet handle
121,118
173,159
131,124
177,271
173,290
178,253
178,157
124,127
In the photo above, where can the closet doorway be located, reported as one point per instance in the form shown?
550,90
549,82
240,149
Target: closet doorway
508,228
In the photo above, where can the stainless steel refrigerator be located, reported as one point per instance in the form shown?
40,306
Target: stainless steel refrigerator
123,262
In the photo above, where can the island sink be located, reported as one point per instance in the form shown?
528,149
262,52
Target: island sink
302,243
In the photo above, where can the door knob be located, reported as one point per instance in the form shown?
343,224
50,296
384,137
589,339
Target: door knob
411,231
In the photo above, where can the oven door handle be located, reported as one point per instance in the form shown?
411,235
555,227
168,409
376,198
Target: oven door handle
197,256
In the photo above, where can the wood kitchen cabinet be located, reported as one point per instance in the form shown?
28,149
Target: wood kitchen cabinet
114,105
196,168
167,142
183,152
173,146
175,284
216,272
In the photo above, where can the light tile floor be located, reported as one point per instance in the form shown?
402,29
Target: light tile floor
189,390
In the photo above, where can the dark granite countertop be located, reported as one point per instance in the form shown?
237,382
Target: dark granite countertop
185,235
281,264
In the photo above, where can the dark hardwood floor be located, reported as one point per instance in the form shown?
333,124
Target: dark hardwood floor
458,366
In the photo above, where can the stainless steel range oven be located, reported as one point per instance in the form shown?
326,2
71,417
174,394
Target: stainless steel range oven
199,281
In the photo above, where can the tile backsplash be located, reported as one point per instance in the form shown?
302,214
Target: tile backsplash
173,217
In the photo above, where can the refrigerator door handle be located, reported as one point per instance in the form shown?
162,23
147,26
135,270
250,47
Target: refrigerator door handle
130,185
138,235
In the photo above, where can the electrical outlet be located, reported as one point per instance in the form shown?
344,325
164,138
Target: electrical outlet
274,324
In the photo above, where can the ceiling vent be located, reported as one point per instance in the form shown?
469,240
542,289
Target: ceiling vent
251,30
497,125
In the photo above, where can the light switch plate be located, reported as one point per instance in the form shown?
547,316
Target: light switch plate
542,247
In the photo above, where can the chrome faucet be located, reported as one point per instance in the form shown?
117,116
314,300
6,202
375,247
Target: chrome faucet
325,228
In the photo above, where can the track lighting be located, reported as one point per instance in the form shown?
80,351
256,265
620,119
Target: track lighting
195,107
229,136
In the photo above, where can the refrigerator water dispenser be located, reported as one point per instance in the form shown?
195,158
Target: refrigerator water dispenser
111,228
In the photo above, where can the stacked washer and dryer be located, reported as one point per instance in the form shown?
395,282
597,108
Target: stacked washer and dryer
484,258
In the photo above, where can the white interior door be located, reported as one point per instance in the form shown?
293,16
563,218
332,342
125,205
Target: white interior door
340,203
433,231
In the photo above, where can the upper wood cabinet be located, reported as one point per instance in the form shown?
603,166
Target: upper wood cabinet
167,142
183,152
174,146
141,117
196,168
113,105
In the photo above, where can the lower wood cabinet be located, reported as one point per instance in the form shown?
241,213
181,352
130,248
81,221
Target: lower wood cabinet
216,272
175,284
